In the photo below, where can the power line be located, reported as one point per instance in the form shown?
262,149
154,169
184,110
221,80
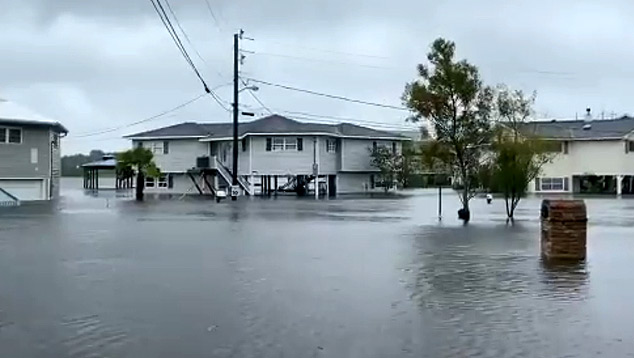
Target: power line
213,16
256,97
169,7
114,129
341,98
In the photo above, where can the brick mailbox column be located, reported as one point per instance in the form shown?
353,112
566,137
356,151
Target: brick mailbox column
564,228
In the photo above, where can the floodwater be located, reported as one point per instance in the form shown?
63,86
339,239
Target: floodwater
104,276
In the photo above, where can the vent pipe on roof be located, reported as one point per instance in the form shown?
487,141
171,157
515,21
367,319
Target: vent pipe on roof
588,116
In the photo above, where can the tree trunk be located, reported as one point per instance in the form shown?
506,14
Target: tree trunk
464,213
140,185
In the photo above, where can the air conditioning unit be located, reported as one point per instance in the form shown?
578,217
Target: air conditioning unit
202,162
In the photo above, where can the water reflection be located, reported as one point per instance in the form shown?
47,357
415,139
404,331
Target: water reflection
565,280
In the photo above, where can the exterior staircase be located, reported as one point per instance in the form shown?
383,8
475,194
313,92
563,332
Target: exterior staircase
228,177
6,199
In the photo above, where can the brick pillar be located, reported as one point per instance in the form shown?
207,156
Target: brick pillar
564,229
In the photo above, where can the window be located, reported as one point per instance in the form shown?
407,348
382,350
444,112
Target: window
149,182
331,146
11,135
278,144
630,146
166,147
139,144
283,143
290,143
553,146
552,184
162,181
157,147
15,135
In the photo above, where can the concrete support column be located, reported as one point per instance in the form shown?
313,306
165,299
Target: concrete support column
619,188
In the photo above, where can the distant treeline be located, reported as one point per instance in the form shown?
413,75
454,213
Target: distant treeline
71,164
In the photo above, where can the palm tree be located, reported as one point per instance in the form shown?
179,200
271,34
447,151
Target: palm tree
141,161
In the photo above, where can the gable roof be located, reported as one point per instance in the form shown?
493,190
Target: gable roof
13,113
607,129
273,124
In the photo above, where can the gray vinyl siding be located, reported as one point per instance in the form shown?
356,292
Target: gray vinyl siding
356,154
181,156
348,183
15,159
290,162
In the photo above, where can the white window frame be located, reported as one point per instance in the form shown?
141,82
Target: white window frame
7,130
550,184
279,144
150,182
331,146
157,148
162,181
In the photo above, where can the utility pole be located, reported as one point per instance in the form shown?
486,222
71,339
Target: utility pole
236,52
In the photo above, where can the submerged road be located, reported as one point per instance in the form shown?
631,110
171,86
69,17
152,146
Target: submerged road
104,276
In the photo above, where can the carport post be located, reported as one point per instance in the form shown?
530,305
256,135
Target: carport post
439,202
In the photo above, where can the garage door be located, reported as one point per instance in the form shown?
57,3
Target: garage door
24,190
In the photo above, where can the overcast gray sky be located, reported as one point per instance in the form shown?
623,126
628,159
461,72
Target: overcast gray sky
96,65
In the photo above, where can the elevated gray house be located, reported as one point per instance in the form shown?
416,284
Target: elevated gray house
275,153
30,160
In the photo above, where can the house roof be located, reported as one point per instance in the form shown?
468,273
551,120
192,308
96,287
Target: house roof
581,130
106,162
274,124
13,113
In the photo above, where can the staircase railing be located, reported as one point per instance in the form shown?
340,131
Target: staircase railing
228,177
7,199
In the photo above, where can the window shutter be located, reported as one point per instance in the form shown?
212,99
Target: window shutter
300,144
537,184
566,147
268,144
166,147
170,181
338,145
244,144
627,146
566,186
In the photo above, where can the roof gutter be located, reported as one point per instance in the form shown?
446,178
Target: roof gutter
210,139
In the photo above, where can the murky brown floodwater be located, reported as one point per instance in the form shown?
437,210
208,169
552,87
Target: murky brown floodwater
372,277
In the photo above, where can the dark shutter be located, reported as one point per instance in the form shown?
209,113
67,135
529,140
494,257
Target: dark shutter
338,145
300,144
268,144
393,147
627,147
565,147
170,181
537,184
374,146
566,187
244,144
166,147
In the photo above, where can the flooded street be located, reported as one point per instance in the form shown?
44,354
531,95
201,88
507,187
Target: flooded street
104,276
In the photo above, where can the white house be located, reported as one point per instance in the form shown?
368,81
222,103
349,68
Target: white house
29,154
275,153
592,156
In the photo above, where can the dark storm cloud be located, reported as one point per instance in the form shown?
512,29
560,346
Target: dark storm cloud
99,64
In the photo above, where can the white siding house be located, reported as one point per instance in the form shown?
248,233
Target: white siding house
594,156
273,151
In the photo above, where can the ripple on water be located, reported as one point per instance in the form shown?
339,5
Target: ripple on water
89,336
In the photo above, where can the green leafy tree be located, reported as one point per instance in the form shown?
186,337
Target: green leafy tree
390,165
451,96
141,161
517,156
